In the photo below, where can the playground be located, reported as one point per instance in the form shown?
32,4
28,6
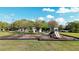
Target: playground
53,35
39,37
19,44
34,39
34,29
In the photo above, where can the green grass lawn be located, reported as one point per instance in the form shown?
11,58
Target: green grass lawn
24,32
35,45
6,33
71,34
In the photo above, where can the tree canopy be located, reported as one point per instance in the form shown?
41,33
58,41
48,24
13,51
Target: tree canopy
4,25
73,26
22,24
39,24
53,23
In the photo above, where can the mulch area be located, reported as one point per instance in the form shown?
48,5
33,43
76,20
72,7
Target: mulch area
36,37
20,37
63,38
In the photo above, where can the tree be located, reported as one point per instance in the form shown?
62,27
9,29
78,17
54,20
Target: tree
61,27
40,24
52,24
73,26
3,26
20,24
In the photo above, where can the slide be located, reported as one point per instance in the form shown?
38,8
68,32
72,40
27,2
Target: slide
56,33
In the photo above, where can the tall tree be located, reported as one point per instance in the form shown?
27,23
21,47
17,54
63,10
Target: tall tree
61,27
53,24
22,24
40,24
3,26
73,26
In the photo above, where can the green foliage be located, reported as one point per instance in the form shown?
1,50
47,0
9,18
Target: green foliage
28,24
4,25
73,26
22,24
61,27
53,24
41,24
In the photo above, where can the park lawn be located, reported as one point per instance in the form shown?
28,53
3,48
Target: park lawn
34,45
6,33
71,34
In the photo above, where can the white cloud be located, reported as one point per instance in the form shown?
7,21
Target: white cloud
48,9
75,9
67,10
33,19
50,16
63,10
76,20
61,20
7,17
40,18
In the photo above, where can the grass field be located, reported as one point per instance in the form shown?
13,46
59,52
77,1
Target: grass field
6,33
35,45
71,34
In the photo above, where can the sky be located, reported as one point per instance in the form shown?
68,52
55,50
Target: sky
60,14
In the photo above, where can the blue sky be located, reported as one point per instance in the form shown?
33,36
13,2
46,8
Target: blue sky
60,14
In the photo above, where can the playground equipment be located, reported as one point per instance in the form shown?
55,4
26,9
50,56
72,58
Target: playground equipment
34,29
55,33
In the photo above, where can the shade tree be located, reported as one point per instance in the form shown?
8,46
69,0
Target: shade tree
21,25
3,26
73,26
40,25
52,24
